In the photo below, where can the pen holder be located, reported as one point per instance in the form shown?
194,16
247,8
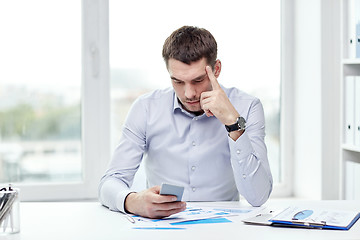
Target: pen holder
9,212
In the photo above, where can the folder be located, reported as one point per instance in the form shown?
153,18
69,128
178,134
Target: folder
356,25
349,106
351,45
349,180
356,180
316,218
352,21
357,112
357,40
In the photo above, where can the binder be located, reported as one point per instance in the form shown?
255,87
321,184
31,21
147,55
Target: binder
349,180
316,218
356,181
349,107
357,112
357,40
353,19
356,26
351,29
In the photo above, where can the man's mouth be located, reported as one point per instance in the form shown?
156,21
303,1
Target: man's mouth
193,102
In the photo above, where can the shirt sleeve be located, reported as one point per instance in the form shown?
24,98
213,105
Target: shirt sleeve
249,158
115,184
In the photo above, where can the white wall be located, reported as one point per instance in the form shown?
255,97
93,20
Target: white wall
316,99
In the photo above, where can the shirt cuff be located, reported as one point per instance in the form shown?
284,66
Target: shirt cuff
120,200
241,148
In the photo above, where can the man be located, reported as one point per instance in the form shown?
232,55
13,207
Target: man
192,135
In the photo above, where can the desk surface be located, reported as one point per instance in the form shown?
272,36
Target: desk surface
90,220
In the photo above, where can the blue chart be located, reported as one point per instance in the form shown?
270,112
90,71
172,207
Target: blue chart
203,221
191,216
303,214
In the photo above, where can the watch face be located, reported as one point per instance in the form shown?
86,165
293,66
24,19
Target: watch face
241,123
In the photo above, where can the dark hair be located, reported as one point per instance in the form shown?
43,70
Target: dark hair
190,44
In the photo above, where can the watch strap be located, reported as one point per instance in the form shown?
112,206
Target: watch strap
238,126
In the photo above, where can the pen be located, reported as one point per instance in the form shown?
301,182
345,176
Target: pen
11,220
6,220
128,217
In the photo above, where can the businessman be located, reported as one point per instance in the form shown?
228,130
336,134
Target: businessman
197,134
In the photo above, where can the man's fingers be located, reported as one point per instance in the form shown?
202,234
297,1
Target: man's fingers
209,113
164,198
167,213
165,210
170,206
214,83
155,189
205,103
205,95
160,210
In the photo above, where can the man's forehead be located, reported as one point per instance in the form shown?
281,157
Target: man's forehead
183,71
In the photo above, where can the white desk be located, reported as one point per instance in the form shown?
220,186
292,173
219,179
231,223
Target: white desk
90,220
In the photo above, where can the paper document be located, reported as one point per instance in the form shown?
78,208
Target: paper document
316,218
192,215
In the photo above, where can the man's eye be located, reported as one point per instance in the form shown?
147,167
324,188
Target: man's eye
199,81
177,82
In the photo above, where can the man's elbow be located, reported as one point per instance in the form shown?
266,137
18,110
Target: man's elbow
260,198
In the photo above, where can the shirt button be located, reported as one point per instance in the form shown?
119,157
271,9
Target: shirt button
195,118
238,151
193,143
193,189
244,176
193,168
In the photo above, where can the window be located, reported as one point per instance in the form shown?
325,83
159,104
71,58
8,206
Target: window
40,91
47,94
248,36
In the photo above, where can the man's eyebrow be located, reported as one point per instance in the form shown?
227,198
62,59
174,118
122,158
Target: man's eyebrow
199,77
195,79
174,78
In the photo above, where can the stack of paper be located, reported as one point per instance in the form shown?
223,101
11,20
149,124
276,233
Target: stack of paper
192,215
308,218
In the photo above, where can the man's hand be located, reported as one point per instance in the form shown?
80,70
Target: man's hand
149,203
216,103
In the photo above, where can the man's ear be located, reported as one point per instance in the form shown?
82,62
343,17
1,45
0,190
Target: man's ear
217,68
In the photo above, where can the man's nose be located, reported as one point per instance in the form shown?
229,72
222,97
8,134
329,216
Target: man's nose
190,91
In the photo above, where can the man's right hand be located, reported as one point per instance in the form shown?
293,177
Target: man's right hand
149,203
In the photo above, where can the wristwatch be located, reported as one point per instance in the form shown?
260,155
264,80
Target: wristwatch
238,126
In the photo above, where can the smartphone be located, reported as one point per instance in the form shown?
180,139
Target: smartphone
170,189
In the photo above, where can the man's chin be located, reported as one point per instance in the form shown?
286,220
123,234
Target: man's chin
193,109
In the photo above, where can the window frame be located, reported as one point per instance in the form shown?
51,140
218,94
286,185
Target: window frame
95,111
285,187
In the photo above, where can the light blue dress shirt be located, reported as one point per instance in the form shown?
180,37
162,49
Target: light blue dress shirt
191,151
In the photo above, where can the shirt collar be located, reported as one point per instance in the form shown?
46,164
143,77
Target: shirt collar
176,104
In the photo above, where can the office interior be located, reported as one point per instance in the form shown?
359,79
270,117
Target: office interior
311,98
